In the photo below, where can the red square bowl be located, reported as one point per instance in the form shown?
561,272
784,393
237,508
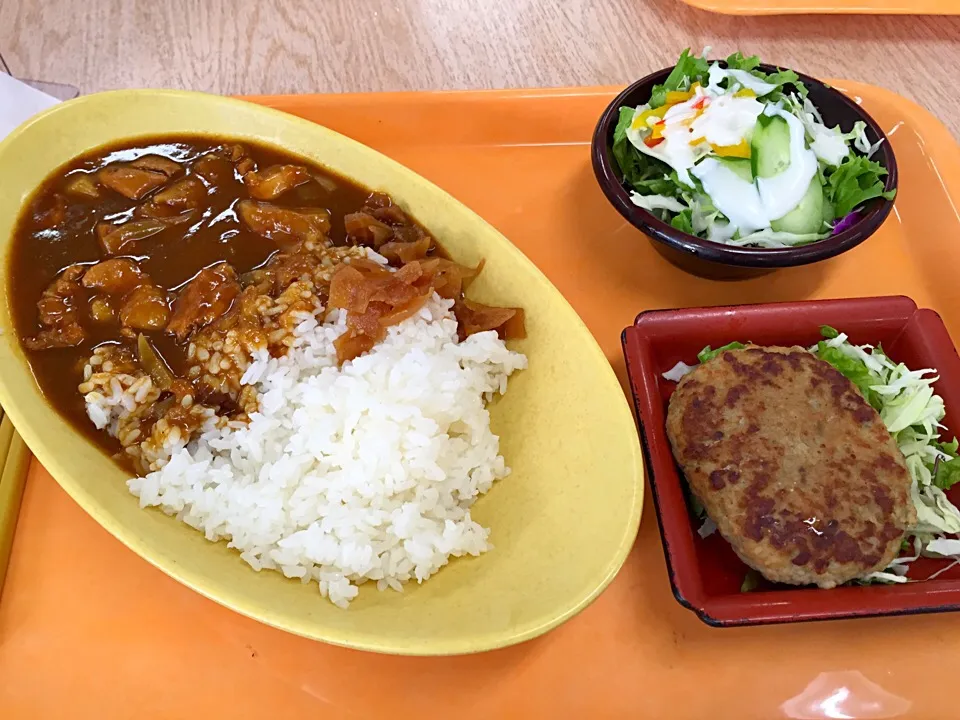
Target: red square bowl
706,574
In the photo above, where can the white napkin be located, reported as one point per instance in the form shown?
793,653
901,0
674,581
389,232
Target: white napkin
19,102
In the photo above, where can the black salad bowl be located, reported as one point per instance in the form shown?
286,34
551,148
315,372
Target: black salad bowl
716,260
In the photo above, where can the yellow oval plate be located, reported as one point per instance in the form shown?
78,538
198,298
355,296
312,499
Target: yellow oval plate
562,523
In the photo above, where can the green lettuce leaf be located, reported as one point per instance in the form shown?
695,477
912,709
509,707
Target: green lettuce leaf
751,581
855,181
689,68
948,471
948,474
623,124
854,370
781,78
623,152
737,61
684,222
829,332
653,182
709,353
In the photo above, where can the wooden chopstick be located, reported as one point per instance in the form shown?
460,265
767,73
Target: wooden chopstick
15,460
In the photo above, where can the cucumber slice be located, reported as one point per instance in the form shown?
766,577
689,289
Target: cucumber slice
770,147
741,167
807,217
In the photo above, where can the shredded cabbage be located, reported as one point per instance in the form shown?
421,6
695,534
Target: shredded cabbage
828,139
657,202
708,528
829,144
677,372
774,239
885,577
861,142
936,515
945,547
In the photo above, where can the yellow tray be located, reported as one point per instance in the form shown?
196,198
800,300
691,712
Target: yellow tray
88,630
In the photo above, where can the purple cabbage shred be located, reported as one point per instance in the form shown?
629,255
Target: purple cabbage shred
848,222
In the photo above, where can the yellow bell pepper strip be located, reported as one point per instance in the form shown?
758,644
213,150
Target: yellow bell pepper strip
740,150
641,121
675,97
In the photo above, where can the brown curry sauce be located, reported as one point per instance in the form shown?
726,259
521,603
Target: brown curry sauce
196,222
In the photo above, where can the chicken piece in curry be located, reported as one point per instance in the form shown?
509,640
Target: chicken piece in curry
169,263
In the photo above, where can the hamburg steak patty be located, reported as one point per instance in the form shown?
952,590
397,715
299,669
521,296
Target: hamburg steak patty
793,465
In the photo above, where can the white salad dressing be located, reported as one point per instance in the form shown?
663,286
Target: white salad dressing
783,192
685,111
676,150
744,78
753,206
690,128
736,198
727,120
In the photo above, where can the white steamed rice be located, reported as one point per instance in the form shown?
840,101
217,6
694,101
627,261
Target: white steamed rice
354,473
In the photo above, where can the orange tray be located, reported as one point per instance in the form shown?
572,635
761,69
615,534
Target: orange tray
89,630
829,7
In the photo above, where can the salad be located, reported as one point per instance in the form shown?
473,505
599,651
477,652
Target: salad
740,156
912,413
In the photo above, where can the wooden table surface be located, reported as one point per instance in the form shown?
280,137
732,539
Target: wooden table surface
290,46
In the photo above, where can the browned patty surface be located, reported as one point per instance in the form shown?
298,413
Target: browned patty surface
793,465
